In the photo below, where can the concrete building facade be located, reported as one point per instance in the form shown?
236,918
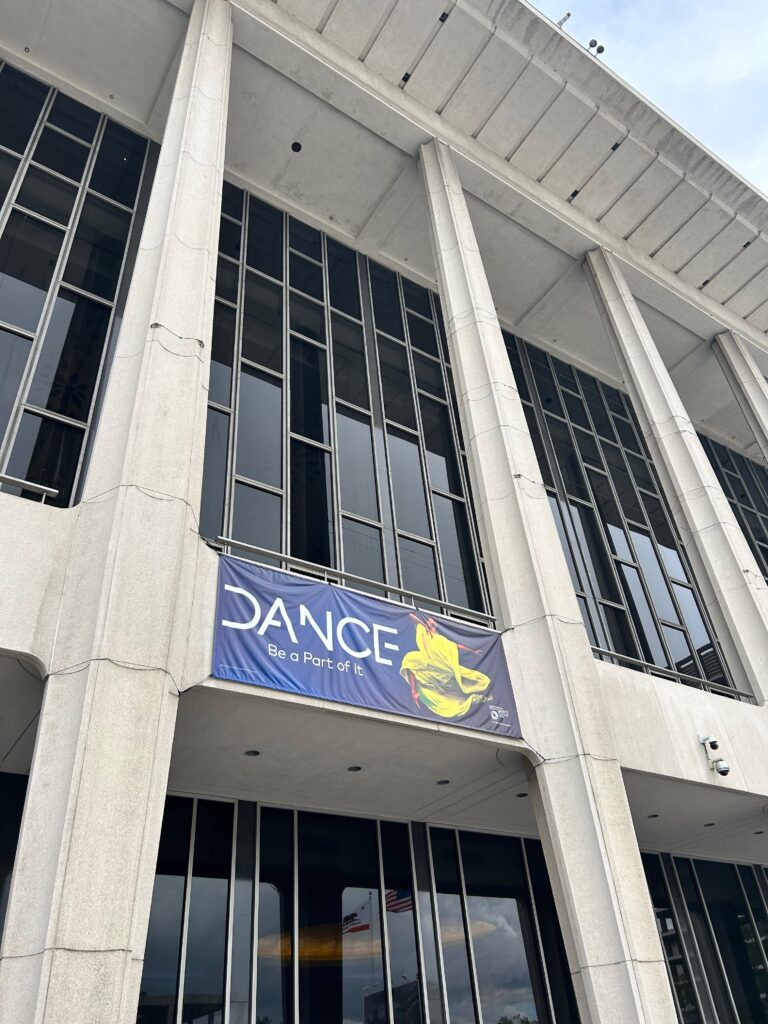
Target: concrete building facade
417,299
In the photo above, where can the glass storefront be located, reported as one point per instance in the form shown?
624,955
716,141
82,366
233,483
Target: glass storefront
262,915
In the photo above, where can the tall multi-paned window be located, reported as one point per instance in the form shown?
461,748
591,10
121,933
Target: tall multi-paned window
332,432
69,181
634,585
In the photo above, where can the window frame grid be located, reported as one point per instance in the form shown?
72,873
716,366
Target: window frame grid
37,337
610,561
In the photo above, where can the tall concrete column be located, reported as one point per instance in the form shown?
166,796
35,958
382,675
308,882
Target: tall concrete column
126,643
725,567
747,383
602,899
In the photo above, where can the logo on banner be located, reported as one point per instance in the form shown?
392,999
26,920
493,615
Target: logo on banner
278,630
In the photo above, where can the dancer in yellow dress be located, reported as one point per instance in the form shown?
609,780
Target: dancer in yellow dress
435,676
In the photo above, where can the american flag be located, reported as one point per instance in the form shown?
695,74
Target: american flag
398,900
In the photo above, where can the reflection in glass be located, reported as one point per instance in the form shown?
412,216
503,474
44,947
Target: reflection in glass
408,483
222,354
453,935
61,154
229,238
305,239
306,276
461,582
96,256
73,117
8,166
28,253
311,504
341,971
395,383
117,171
259,427
21,100
309,391
263,322
227,276
207,915
274,976
214,474
356,469
13,358
386,301
242,915
46,452
417,567
68,367
500,926
438,441
428,375
342,278
638,603
256,517
422,334
157,999
46,195
362,550
265,238
401,924
349,361
307,318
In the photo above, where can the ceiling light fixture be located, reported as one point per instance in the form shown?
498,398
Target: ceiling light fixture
251,753
354,768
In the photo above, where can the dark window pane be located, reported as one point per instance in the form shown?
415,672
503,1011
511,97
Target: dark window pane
265,238
309,391
232,201
576,410
214,474
340,948
305,239
461,582
73,117
259,428
358,477
349,361
426,922
641,613
8,165
46,452
429,376
625,489
47,195
452,930
306,276
257,517
422,334
417,568
396,383
229,238
227,275
501,925
161,959
438,441
416,298
96,257
222,354
664,537
597,409
205,964
698,632
567,459
14,351
408,484
21,100
61,154
680,651
386,301
68,367
401,924
609,515
242,914
362,550
28,253
311,505
343,282
263,322
274,975
307,318
545,381
117,170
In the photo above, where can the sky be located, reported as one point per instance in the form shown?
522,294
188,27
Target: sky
704,63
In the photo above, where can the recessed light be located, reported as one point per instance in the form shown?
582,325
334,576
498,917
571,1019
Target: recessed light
296,147
251,753
443,782
653,815
760,832
709,824
354,768
521,796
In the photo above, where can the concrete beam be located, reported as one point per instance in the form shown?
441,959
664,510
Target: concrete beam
747,383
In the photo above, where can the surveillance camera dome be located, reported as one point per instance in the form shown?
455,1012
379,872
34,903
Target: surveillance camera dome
714,744
722,767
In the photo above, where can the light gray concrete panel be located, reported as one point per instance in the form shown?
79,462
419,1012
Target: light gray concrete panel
742,269
718,253
759,318
521,108
406,31
588,151
311,12
447,59
487,83
693,236
661,224
557,128
748,384
352,25
642,198
613,177
750,296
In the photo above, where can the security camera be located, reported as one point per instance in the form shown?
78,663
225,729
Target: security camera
710,741
721,767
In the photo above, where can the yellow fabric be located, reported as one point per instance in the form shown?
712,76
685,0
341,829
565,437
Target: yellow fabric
444,686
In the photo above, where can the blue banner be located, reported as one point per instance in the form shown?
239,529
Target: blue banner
278,630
